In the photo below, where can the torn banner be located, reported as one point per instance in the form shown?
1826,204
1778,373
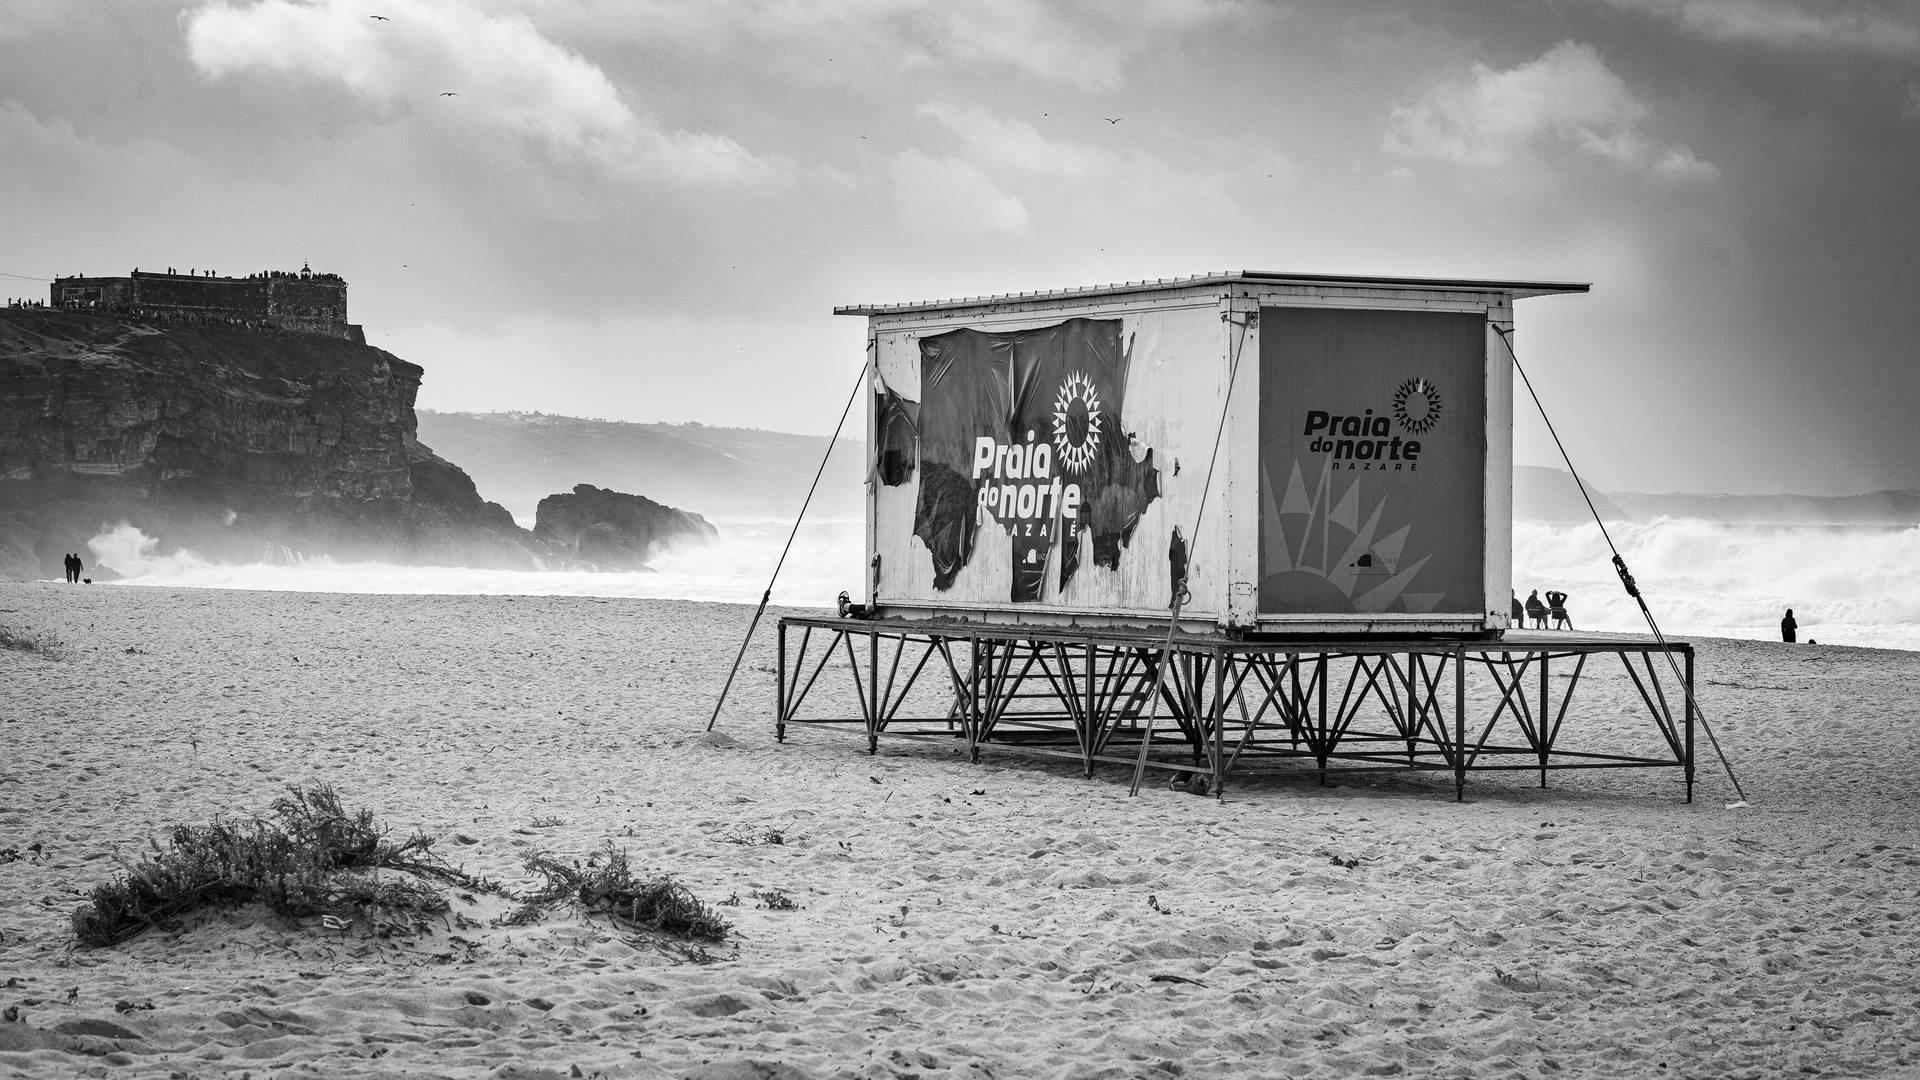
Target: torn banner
1025,429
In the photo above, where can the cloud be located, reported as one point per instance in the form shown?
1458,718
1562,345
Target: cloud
1213,176
1016,144
1911,110
1788,23
947,195
1565,104
1082,43
19,18
505,75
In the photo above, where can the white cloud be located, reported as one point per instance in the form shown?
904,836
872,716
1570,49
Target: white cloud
504,73
1788,23
18,18
946,195
1016,144
1214,176
1565,104
1082,43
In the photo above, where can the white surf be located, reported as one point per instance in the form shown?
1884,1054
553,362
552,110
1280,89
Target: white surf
1847,584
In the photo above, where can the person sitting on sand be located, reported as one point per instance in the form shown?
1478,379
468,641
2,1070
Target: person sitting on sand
1788,628
1557,606
1536,610
1519,616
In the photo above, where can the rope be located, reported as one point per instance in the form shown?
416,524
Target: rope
1180,593
768,594
1626,577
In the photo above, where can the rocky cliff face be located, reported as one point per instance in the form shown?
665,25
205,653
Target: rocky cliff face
596,529
235,444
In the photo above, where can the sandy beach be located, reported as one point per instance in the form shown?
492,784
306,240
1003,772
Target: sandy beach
1005,919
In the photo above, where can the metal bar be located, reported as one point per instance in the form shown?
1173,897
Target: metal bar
780,686
1219,715
1545,705
912,678
1460,723
1656,709
1691,709
826,654
1566,698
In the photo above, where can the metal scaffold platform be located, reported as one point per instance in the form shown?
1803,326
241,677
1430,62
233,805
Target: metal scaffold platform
1234,707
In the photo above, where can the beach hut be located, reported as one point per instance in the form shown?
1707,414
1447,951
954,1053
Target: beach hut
1289,453
1215,524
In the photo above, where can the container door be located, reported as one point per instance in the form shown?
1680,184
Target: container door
1372,461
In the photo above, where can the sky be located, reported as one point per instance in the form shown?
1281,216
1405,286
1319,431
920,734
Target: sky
644,210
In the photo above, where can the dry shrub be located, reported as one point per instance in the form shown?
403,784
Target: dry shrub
26,641
659,904
311,857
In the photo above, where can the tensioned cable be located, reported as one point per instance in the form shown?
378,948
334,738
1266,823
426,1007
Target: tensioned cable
1180,596
1626,577
768,595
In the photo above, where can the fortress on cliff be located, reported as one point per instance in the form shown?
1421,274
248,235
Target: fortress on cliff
305,301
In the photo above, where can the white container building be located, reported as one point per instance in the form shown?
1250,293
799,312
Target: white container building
1041,458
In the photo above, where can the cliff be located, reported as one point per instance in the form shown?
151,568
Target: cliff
1872,508
1542,494
596,529
518,458
238,445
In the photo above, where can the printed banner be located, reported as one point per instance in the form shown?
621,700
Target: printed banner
1372,461
1024,430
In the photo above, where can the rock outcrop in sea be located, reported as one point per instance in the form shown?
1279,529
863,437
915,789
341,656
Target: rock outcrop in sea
239,445
596,529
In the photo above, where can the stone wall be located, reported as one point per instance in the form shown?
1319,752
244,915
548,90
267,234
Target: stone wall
305,302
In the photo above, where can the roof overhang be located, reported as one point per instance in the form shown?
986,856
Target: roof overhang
1516,289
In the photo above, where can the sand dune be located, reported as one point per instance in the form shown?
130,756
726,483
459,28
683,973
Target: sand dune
1047,926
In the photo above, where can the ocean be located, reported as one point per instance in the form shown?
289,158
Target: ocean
1847,584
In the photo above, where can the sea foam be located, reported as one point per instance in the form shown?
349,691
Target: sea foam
1847,584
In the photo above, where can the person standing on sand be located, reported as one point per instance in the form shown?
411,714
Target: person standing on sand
72,562
1536,610
77,567
1788,628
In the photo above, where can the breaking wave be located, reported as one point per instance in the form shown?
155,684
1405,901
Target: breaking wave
1847,584
825,559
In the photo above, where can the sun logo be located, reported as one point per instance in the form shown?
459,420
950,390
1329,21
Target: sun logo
1076,423
1417,406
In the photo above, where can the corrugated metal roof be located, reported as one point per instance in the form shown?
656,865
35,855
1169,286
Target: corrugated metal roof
1261,277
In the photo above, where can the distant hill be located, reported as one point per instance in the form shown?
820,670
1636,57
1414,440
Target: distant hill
1541,494
1873,508
517,459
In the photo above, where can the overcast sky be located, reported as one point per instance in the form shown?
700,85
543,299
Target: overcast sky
646,210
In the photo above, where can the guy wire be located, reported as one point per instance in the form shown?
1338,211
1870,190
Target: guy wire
768,594
1620,567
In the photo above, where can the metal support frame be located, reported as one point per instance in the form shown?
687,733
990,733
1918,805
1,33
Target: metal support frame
1233,707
